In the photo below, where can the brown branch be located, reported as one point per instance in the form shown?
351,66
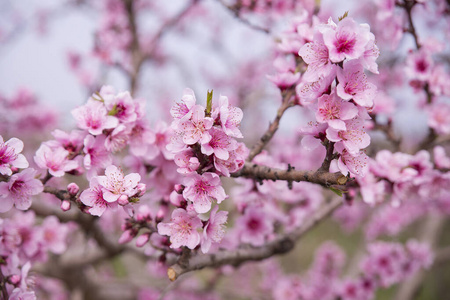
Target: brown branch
273,127
260,173
60,194
235,10
138,57
280,245
3,285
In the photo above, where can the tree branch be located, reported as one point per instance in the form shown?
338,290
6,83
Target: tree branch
280,245
260,173
273,127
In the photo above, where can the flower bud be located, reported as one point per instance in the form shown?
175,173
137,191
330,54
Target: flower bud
142,239
179,188
65,205
127,236
175,198
14,279
73,188
142,188
123,200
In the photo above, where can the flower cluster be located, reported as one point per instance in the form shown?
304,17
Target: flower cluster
108,122
389,263
114,36
17,187
111,190
204,146
340,53
384,265
23,243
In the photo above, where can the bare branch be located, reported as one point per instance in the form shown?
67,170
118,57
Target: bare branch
273,127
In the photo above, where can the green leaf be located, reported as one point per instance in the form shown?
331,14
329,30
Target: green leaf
336,191
209,96
345,15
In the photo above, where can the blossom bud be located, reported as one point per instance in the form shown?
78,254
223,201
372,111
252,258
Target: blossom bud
175,198
14,279
123,200
73,188
141,187
127,236
179,188
65,205
142,239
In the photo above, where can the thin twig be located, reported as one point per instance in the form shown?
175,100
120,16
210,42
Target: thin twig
273,127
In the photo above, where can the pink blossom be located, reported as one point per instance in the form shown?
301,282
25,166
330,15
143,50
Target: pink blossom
96,156
288,288
356,289
52,235
353,84
372,189
55,160
314,132
329,261
421,255
118,138
234,162
440,158
182,229
214,229
202,190
142,141
230,117
284,80
121,106
354,138
385,263
10,155
181,111
116,185
254,226
93,197
308,92
369,57
333,110
186,161
419,65
72,142
196,128
439,117
18,190
18,294
93,117
347,40
220,144
315,54
355,164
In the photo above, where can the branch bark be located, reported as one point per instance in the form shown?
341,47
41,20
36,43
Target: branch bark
260,173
